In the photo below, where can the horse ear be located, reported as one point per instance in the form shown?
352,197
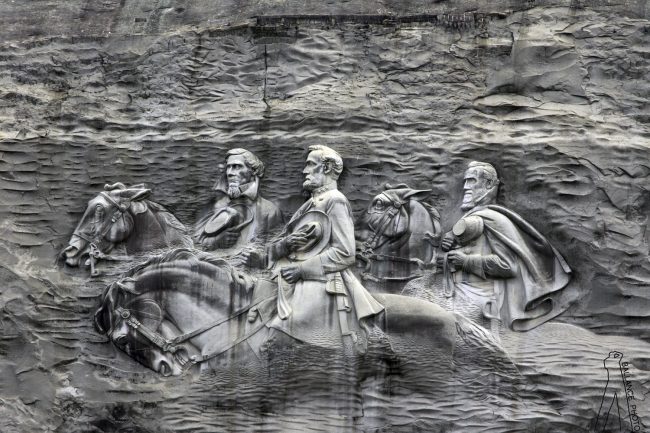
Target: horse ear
117,185
138,206
102,320
388,186
135,196
417,194
141,194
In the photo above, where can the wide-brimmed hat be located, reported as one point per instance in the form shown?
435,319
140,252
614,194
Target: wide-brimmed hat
468,228
317,227
230,217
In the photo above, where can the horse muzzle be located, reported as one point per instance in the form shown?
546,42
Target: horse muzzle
74,251
165,365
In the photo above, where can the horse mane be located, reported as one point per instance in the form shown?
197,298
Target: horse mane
179,235
245,280
431,210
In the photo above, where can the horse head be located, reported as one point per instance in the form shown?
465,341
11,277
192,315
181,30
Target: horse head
112,217
399,226
124,315
170,310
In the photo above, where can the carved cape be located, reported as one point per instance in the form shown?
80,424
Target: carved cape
527,272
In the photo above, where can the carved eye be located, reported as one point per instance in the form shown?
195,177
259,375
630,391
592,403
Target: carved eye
380,205
99,213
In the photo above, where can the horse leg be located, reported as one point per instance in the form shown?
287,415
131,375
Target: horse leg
433,344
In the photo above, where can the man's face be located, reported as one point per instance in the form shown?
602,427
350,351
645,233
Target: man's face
314,172
475,188
237,172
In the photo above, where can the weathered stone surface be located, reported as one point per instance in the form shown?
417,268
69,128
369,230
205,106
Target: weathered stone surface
556,97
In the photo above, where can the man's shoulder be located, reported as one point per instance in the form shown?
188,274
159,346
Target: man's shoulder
220,200
495,215
265,202
267,206
334,196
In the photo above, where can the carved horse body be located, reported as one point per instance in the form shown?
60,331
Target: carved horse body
397,235
123,215
184,310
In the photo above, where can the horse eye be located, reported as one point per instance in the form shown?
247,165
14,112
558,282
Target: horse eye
99,212
379,204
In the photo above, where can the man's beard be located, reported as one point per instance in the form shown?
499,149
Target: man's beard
477,197
468,200
234,189
309,185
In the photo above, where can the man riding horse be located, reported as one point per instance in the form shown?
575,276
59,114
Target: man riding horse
238,214
499,263
319,301
185,309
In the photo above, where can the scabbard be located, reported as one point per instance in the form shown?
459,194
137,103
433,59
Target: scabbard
336,288
284,308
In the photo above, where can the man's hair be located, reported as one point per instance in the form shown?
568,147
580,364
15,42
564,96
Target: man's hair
488,171
252,161
330,157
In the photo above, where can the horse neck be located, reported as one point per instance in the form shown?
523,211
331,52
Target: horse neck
174,231
147,233
193,293
419,224
156,228
203,282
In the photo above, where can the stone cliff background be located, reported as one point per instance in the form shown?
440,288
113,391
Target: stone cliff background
555,94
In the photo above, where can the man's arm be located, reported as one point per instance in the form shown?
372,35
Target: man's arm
502,263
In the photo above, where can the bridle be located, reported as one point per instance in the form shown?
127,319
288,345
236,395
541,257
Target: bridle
386,219
367,253
171,345
95,253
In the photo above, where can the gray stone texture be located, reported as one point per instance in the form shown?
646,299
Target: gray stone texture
553,93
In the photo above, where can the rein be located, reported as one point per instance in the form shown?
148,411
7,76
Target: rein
171,345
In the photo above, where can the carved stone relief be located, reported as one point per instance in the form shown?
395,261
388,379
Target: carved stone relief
363,222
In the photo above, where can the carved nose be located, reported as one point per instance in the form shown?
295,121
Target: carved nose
119,335
164,366
120,341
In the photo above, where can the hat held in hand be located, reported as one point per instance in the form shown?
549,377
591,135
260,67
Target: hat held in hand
316,227
228,218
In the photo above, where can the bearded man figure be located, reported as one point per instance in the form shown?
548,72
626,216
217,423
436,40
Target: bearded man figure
320,302
498,263
238,215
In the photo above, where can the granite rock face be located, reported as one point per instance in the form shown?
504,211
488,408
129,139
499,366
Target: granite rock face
554,95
